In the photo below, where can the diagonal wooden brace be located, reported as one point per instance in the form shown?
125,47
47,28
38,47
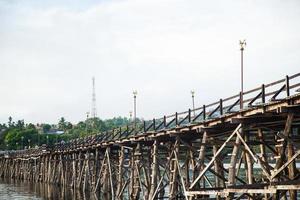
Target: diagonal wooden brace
214,157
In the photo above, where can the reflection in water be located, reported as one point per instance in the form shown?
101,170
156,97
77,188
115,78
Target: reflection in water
17,190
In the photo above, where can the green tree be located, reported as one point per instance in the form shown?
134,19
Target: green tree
62,124
20,124
46,128
9,121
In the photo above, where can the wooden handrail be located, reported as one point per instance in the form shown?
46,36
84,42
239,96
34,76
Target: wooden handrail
220,106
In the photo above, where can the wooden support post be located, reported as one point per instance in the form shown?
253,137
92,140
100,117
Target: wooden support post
96,168
202,155
120,181
291,169
136,187
74,171
282,148
248,164
232,167
154,170
262,146
111,195
173,176
286,133
86,169
218,182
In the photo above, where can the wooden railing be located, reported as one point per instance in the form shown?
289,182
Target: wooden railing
253,98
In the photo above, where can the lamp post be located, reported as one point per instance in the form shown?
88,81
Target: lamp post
28,143
47,140
134,108
193,101
242,44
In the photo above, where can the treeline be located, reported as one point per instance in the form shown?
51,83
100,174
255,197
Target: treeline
18,135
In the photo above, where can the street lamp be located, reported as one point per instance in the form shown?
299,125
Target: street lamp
242,44
193,101
28,143
134,107
47,139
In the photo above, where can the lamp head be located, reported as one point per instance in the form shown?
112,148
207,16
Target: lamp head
134,93
243,44
193,92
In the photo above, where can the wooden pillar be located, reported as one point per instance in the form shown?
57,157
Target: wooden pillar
136,175
188,163
281,151
291,169
248,163
74,170
232,167
202,154
173,186
95,168
154,169
262,146
262,152
86,169
217,163
107,177
120,181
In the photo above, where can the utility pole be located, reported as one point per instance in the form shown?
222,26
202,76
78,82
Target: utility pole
134,107
242,45
193,101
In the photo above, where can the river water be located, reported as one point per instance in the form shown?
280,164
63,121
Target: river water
17,190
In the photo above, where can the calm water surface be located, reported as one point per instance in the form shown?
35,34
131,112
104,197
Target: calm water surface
16,190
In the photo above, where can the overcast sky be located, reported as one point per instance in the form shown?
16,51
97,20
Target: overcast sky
50,50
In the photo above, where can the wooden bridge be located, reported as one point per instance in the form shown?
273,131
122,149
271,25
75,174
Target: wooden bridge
230,149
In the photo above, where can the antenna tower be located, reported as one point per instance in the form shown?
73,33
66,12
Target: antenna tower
94,109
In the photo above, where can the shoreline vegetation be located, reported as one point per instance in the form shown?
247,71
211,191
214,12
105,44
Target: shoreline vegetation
16,135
